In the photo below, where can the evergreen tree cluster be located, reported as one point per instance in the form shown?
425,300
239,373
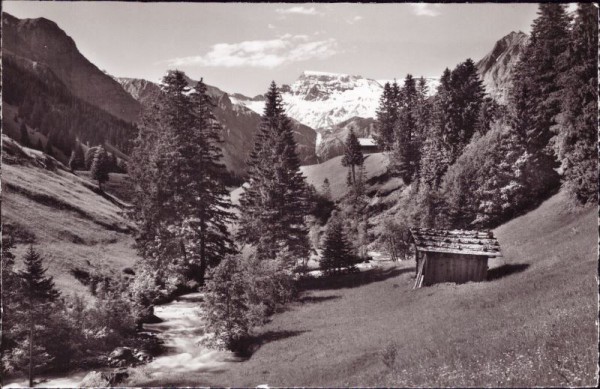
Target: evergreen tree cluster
403,118
481,163
47,106
182,207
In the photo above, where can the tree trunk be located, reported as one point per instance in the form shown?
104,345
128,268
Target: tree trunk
353,175
203,262
31,351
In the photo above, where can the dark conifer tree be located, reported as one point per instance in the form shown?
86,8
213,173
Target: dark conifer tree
405,153
182,207
466,97
577,129
100,166
534,98
337,252
353,155
38,295
387,116
274,204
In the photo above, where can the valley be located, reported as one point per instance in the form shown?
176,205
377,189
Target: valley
327,229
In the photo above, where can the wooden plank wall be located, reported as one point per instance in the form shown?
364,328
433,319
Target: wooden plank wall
442,267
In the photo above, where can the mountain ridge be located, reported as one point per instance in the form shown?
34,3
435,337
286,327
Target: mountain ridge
239,123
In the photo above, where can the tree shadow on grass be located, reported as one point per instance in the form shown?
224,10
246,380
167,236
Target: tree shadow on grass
253,343
351,280
506,270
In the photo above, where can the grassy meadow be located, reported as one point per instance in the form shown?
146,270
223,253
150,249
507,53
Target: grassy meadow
533,323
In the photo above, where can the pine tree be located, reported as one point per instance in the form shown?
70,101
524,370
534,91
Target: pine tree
404,158
387,116
577,130
39,293
182,206
274,205
337,252
536,94
100,166
353,155
24,135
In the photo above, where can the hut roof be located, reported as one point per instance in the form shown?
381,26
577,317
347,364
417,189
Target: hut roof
367,142
468,242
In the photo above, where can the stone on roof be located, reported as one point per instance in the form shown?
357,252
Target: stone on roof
467,242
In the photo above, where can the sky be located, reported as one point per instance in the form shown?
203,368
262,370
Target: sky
241,47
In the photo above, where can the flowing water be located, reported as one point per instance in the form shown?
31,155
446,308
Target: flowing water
181,331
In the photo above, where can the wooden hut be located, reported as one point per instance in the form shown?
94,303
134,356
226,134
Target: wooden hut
452,255
368,145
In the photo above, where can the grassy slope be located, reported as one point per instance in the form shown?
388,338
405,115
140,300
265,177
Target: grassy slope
61,215
534,323
332,169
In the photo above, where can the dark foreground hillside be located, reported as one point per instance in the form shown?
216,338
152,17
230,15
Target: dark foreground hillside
532,324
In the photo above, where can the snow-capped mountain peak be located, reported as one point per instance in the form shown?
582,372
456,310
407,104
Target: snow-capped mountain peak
322,99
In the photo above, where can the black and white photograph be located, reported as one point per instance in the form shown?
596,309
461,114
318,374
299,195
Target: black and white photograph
265,195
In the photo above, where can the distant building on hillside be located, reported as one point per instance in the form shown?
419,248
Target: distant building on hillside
452,255
368,145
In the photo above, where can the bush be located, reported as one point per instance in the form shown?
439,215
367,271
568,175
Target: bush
241,294
228,313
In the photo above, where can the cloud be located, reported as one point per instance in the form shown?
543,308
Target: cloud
262,53
270,26
354,19
423,9
299,10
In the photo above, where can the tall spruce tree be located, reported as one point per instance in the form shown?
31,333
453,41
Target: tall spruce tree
337,251
577,129
353,155
387,116
535,98
466,97
38,295
181,204
406,146
100,166
274,204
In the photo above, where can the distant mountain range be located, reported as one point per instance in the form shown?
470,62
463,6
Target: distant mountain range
324,106
239,123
